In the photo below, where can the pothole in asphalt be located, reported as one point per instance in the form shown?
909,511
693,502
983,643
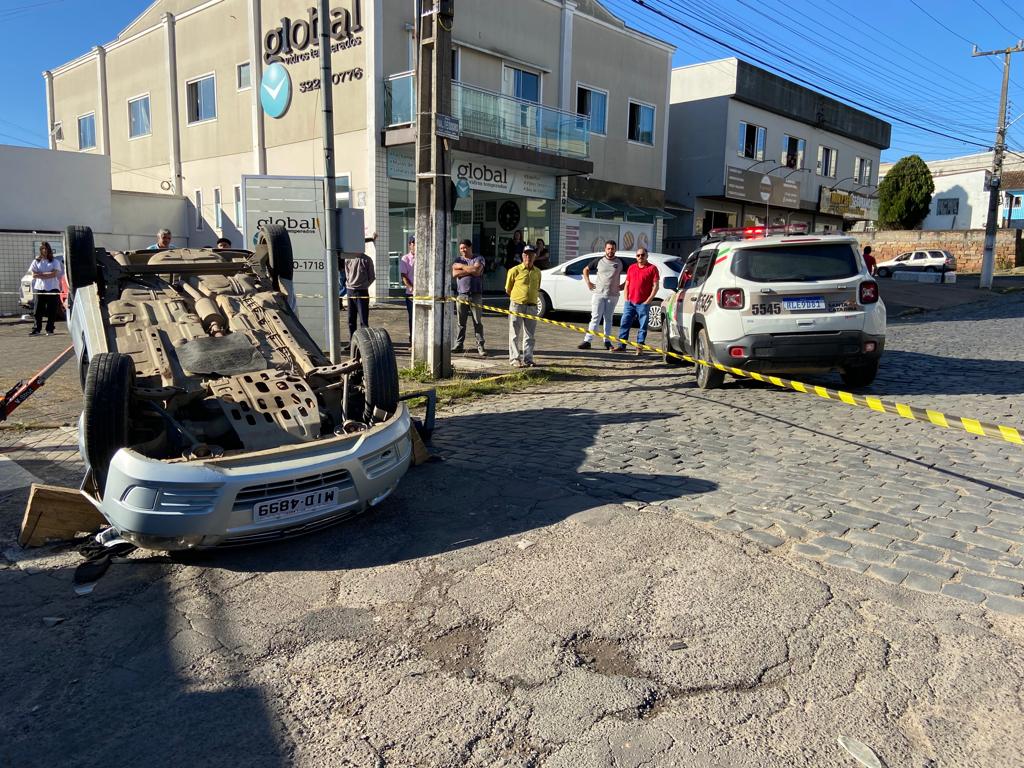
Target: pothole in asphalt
605,656
457,652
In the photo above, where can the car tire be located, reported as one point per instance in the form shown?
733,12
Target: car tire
859,376
655,315
707,377
279,252
666,347
81,257
106,414
884,272
379,389
543,304
930,269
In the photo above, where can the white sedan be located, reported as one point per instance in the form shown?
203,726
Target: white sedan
562,288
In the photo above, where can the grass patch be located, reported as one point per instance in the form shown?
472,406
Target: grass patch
465,387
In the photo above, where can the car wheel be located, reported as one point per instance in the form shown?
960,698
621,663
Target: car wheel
379,386
655,315
930,269
860,375
707,377
108,397
81,257
279,252
543,304
884,272
666,347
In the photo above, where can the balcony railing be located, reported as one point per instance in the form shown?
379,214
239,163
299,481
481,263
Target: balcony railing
495,117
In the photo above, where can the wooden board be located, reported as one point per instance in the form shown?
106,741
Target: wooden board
57,514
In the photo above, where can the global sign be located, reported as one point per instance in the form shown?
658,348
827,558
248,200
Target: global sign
275,90
288,42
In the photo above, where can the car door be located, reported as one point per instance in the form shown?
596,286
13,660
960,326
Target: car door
691,299
677,302
627,262
919,260
569,291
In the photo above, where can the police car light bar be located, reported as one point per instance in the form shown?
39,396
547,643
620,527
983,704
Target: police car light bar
751,233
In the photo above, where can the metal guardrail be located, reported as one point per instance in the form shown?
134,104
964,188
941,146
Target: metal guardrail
495,117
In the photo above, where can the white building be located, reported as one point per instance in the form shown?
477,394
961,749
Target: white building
746,146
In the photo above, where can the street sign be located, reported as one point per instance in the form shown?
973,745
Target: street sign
447,127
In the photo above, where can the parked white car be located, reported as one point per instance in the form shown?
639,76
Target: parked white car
562,288
919,261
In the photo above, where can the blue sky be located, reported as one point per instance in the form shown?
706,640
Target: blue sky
908,58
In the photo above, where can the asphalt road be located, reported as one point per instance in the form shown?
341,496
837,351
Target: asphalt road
616,570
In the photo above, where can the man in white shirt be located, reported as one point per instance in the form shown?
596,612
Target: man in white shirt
46,273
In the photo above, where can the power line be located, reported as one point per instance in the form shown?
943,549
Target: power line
1014,10
996,20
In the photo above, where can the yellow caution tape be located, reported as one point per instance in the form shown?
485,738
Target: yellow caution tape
971,426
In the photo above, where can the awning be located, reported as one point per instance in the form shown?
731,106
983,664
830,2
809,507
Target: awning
658,213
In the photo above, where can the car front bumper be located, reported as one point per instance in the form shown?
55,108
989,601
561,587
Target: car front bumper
801,352
208,503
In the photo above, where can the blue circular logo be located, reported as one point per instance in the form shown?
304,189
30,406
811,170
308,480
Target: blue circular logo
275,90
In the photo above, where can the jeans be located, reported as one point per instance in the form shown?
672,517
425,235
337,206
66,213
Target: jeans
634,312
408,309
358,311
464,311
602,308
520,333
46,304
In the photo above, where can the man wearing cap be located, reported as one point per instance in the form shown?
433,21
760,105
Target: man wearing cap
406,269
522,284
467,271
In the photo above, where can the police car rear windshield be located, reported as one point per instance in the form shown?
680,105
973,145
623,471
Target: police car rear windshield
806,262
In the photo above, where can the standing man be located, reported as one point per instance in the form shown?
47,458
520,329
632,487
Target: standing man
869,260
642,281
467,271
359,276
522,284
604,293
46,273
406,269
163,240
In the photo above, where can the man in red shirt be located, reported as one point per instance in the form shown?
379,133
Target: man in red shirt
642,280
869,261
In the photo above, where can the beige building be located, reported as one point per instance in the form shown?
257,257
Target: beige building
563,111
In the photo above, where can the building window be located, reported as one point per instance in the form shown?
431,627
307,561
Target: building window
793,149
522,84
87,131
201,95
218,209
751,141
199,210
827,161
456,60
593,104
243,76
138,117
862,170
57,131
238,207
641,123
947,206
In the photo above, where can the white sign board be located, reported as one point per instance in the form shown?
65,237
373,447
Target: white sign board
487,176
296,203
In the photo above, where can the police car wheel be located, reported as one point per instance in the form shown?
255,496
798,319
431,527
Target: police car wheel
666,347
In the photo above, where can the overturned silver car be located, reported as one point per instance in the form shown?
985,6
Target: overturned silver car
211,417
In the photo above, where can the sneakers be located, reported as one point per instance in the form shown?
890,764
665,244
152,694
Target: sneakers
457,350
620,348
639,351
516,364
34,332
607,345
583,345
528,364
481,352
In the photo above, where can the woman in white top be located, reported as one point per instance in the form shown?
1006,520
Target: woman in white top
46,273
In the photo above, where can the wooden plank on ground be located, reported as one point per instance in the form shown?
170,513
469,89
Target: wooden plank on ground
57,514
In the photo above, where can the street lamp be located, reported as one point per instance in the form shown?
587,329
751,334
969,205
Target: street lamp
848,178
798,170
767,160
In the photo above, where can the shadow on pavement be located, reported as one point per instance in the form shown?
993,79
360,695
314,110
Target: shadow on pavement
504,474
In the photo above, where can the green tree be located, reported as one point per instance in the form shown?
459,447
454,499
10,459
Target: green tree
905,194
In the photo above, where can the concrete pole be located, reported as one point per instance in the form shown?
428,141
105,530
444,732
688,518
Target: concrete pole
172,105
259,141
432,335
48,79
102,113
330,192
988,260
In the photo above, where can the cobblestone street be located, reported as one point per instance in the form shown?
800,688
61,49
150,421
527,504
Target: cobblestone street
619,569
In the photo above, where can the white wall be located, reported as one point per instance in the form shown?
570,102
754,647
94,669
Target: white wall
967,187
46,190
137,216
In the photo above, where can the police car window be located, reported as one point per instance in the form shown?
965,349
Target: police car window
705,262
805,263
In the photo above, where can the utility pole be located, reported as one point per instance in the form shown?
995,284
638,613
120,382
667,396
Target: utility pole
988,261
431,333
330,191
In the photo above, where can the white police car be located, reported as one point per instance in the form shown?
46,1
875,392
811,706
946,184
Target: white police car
777,300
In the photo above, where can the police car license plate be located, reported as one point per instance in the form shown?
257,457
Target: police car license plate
804,302
297,504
